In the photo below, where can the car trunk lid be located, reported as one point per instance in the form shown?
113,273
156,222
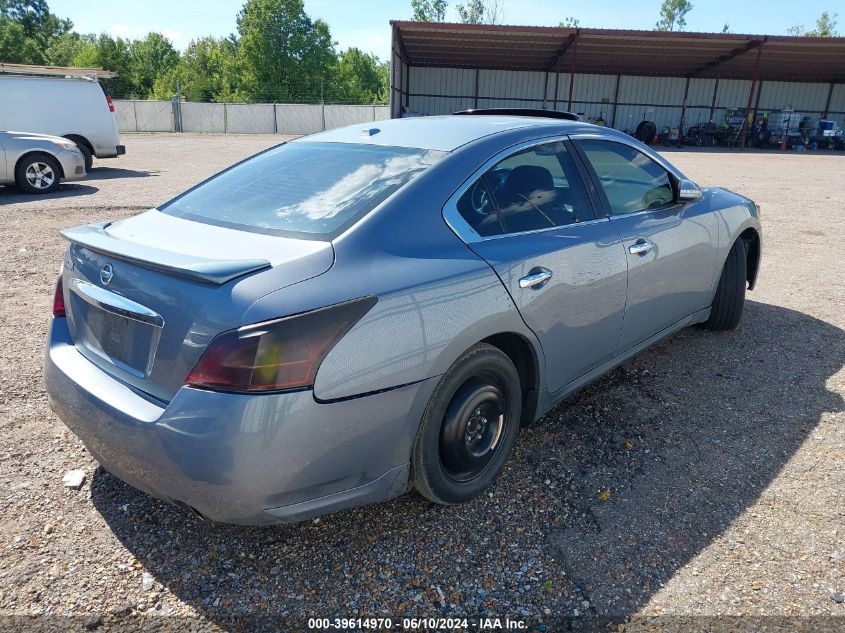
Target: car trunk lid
146,295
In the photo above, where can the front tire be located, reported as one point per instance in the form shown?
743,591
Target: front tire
38,173
730,294
468,428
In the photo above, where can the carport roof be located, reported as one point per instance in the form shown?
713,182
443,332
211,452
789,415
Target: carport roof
620,52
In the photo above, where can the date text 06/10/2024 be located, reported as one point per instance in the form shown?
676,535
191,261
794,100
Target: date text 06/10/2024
417,624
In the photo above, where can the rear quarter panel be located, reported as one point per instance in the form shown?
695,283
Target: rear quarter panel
417,332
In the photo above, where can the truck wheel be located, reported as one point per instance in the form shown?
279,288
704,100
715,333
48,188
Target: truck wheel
38,173
87,155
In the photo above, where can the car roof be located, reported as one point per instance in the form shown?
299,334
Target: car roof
444,133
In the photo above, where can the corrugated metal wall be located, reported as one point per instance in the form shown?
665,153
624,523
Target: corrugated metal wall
428,90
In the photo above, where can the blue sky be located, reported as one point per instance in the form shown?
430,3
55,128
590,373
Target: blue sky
365,23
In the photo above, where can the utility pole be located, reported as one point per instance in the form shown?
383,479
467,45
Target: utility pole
177,108
322,105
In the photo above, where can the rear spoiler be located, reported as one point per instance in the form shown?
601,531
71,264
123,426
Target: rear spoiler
210,271
532,112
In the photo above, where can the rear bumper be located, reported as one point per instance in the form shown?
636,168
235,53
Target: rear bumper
247,459
119,150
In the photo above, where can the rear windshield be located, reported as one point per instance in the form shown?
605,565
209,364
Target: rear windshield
311,190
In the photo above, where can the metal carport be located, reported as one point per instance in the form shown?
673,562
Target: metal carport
622,75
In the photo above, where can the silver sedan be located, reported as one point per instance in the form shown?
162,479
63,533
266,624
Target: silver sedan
380,307
37,163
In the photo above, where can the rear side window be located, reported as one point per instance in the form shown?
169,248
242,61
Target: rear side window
536,188
310,190
631,180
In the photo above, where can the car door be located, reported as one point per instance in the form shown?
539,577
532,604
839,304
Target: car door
530,216
671,246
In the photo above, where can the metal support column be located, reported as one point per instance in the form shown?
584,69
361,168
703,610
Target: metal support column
683,114
757,102
715,94
751,93
546,91
477,72
322,106
395,76
401,85
557,85
615,102
572,71
407,85
177,108
827,103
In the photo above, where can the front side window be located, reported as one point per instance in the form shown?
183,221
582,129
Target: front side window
631,180
310,190
535,188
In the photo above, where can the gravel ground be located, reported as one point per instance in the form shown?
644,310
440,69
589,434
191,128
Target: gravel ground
700,482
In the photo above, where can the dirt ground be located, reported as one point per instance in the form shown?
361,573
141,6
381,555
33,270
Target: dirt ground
701,482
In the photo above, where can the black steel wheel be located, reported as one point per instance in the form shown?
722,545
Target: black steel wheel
472,428
468,428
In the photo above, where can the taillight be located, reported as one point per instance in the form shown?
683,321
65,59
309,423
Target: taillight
110,102
275,355
59,299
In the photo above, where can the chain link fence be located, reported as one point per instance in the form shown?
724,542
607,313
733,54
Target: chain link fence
241,118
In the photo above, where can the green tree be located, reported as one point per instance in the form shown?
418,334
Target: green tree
35,18
281,54
27,29
15,46
109,53
570,23
429,10
673,15
149,58
284,53
480,11
208,70
358,77
825,27
63,50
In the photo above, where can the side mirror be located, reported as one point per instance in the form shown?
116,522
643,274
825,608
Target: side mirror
688,191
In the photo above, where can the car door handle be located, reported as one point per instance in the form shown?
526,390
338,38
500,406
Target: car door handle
641,247
536,277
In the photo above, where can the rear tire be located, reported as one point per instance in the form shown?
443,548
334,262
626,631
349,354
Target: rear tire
726,310
87,155
468,428
38,173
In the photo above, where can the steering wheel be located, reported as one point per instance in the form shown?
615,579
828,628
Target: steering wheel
479,199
